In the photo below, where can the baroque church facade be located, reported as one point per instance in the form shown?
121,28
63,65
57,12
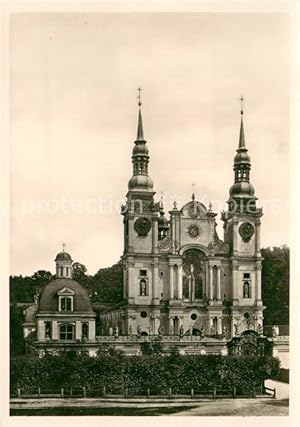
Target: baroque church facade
181,282
179,277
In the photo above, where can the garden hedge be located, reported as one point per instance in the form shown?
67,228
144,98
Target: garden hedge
158,373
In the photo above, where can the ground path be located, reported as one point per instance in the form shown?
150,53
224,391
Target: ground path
178,407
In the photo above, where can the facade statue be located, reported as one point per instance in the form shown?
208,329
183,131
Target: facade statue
260,329
160,330
110,331
275,331
202,332
181,331
116,331
139,330
236,328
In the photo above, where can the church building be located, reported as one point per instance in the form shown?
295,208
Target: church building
179,277
181,281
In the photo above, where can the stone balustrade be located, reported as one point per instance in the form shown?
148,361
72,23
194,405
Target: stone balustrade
152,338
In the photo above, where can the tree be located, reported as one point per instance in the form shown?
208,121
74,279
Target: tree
17,345
42,277
79,273
275,285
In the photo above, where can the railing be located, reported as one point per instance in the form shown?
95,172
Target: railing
270,391
154,338
135,392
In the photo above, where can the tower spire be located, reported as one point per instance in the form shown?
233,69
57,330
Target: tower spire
242,135
140,131
140,180
242,189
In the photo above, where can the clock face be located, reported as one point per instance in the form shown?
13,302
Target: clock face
193,231
142,226
246,231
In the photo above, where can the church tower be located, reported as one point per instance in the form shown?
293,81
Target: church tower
242,233
140,257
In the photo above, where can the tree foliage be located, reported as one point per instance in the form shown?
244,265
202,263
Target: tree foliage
105,286
275,285
138,373
17,345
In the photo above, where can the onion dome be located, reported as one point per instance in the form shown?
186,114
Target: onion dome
140,182
242,189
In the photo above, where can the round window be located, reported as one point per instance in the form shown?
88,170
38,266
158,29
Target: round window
246,315
144,314
194,316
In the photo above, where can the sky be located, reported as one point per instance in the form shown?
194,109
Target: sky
73,119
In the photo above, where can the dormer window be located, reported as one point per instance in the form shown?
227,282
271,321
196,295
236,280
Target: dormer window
66,304
65,299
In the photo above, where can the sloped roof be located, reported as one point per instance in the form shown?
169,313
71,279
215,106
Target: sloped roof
48,301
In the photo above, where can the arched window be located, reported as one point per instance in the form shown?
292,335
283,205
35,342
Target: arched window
194,273
66,332
198,287
186,287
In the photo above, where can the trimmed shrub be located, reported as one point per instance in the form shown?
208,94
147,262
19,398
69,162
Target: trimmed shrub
138,373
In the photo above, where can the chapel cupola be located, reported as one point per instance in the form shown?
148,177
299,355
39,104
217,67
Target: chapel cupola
140,180
63,262
242,191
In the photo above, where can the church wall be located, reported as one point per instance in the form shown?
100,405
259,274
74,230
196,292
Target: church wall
226,281
246,248
142,244
206,232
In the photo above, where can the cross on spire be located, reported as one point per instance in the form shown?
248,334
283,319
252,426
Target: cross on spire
63,245
242,105
139,96
193,194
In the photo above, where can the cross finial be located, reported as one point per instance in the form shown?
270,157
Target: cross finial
242,105
63,245
139,96
210,206
193,194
